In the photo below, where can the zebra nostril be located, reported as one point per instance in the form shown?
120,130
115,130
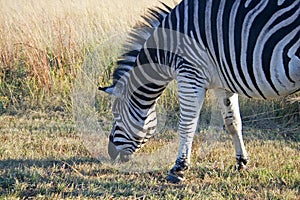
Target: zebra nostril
112,151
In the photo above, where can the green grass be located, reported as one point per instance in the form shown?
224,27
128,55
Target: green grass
43,158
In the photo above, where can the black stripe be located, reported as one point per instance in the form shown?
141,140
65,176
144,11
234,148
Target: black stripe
256,28
133,112
173,19
191,22
152,120
117,143
239,21
269,46
142,106
180,18
202,25
201,18
185,113
145,96
214,28
286,59
286,14
125,62
152,89
227,50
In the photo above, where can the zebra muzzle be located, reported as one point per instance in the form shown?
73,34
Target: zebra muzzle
114,153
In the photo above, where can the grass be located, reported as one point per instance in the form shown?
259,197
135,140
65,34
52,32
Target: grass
44,158
43,46
53,57
43,51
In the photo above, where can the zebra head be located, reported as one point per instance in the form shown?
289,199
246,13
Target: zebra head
113,151
134,121
136,90
115,146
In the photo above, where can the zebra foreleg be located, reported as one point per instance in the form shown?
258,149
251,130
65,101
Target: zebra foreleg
191,99
228,102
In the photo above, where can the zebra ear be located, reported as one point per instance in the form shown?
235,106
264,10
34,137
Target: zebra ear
113,90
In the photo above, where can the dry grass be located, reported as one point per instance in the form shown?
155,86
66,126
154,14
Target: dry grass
43,45
44,158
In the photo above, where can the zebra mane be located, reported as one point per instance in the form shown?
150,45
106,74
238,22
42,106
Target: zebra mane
137,38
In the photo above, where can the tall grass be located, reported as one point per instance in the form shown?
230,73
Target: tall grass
43,45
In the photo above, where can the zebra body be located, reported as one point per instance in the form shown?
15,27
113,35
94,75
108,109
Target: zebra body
246,47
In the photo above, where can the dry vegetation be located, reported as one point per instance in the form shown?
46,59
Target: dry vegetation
43,45
43,48
42,158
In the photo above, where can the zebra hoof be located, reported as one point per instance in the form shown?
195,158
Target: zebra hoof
175,178
241,164
176,174
241,167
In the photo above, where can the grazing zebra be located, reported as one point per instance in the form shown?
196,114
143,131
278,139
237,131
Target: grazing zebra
247,47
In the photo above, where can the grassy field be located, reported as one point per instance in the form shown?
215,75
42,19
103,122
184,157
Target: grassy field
44,158
52,58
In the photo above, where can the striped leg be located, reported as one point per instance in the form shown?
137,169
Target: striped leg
191,98
229,105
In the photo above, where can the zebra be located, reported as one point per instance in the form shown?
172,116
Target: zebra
232,47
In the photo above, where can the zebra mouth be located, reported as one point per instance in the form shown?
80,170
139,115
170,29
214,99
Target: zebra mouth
114,153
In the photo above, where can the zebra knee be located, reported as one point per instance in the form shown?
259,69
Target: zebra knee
231,126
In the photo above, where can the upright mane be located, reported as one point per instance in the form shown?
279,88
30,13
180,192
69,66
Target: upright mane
137,38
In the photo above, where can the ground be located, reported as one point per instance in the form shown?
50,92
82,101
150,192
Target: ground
43,158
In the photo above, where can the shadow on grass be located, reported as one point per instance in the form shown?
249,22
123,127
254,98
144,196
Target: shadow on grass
88,178
74,177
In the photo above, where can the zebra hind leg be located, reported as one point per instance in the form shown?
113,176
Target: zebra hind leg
241,163
228,102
